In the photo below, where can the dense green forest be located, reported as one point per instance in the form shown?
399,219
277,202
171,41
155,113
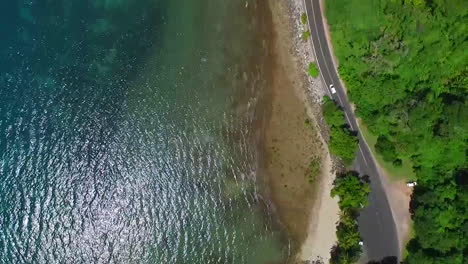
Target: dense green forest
404,63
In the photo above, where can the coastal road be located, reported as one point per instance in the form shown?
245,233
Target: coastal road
376,223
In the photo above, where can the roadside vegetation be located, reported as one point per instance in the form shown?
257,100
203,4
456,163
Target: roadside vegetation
303,18
305,35
352,192
312,70
343,144
406,69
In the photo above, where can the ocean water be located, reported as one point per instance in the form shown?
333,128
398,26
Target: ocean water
127,132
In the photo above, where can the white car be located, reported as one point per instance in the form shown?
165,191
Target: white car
332,89
411,184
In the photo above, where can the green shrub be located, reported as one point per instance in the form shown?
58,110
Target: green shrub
397,163
313,70
304,18
305,35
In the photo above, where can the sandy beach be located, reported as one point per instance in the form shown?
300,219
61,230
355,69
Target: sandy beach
290,143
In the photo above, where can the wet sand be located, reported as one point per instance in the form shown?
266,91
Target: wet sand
289,144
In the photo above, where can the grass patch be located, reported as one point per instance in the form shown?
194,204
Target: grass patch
405,172
303,18
313,70
305,35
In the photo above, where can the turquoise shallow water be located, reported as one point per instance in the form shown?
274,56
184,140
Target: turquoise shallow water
127,133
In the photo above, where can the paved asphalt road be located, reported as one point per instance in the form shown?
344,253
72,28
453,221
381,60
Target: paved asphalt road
376,223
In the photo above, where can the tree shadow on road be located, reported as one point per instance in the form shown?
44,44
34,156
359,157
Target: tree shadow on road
386,260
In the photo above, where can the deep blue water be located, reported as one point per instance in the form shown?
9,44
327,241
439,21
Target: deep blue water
127,133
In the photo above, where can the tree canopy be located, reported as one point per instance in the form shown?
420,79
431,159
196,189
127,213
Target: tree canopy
343,143
404,63
352,191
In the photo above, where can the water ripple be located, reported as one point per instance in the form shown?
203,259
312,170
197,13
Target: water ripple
124,142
